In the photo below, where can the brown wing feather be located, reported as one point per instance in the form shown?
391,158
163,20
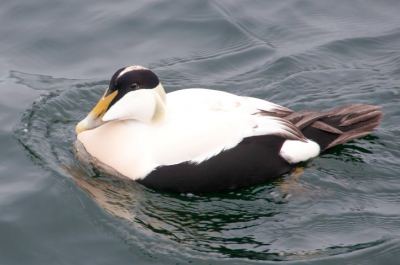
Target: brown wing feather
337,126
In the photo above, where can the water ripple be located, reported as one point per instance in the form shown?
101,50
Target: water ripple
333,209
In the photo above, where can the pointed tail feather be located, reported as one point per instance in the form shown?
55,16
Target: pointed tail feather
337,126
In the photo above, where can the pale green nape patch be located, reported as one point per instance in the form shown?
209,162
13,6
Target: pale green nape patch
161,100
161,92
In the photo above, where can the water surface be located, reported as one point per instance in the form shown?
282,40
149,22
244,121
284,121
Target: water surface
56,60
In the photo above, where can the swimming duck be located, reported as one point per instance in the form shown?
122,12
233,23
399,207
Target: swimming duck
202,140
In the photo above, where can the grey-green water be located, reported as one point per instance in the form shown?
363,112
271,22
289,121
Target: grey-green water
55,61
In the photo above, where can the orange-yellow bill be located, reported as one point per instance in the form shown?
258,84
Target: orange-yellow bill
95,117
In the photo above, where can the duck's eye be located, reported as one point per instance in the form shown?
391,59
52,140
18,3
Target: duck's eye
134,86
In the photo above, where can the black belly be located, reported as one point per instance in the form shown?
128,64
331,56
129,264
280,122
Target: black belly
253,161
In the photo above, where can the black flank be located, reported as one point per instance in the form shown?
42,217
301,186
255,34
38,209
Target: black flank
254,160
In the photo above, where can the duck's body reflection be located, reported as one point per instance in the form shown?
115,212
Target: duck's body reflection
116,195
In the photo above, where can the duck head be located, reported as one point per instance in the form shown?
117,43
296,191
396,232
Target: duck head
134,93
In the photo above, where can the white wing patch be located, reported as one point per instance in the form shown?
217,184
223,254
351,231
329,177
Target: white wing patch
200,98
201,123
296,151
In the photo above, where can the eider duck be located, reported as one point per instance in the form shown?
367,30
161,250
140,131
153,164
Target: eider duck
202,140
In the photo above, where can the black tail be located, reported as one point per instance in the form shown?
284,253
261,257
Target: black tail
337,126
